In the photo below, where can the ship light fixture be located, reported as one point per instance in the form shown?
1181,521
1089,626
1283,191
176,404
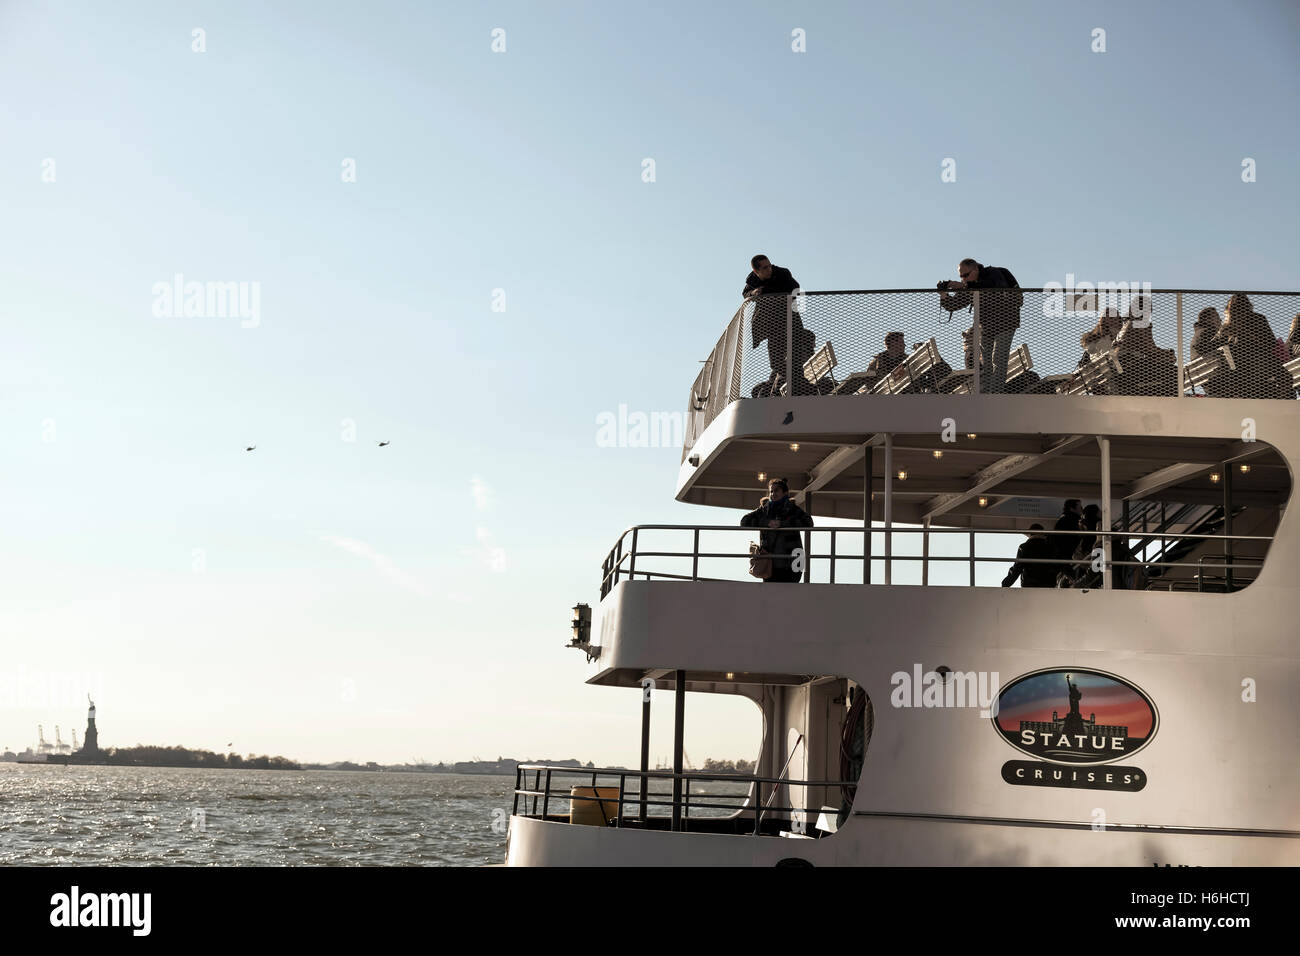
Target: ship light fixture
983,502
938,453
902,475
1245,469
731,675
581,627
794,446
762,476
972,436
1214,477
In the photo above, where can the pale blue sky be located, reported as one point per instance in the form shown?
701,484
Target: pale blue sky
329,561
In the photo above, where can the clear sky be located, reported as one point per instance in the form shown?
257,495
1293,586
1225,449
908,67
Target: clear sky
326,598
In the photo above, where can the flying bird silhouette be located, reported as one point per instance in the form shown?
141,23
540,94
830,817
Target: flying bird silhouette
789,417
250,448
383,443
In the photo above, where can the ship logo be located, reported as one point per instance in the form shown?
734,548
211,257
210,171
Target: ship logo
1043,714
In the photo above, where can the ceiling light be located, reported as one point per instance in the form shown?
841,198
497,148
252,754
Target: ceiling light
794,446
938,453
902,475
1214,477
983,502
972,436
762,476
1245,469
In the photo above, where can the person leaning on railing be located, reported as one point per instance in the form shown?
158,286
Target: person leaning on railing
769,285
999,316
775,514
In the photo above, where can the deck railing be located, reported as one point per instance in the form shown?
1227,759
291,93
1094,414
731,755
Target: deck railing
826,559
1163,342
549,796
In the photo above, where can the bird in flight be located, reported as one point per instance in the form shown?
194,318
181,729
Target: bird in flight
789,417
383,443
250,448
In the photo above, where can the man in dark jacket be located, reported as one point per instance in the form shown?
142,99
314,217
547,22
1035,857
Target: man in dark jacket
1064,545
769,286
1037,547
775,513
999,316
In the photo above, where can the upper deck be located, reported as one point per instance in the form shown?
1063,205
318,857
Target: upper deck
1177,398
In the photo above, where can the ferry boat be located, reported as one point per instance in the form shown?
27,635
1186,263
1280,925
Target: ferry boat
915,712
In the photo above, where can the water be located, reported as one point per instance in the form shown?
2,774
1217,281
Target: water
164,816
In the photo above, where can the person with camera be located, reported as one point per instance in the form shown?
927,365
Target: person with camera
768,286
780,518
998,319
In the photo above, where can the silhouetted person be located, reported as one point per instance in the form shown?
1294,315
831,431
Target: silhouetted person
894,355
1148,369
1293,338
769,286
1063,545
999,315
1204,329
1259,372
776,512
1036,548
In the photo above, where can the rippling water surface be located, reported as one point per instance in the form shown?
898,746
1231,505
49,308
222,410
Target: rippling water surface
161,816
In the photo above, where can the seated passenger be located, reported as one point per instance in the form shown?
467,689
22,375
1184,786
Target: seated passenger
777,511
1259,372
894,355
1148,369
1101,337
1293,338
1036,548
1204,330
932,381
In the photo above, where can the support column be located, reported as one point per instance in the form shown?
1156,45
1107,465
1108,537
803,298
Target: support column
1105,513
645,748
867,482
807,540
889,506
1227,524
679,715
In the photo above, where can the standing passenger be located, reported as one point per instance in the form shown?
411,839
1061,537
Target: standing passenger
774,512
1037,547
769,286
999,316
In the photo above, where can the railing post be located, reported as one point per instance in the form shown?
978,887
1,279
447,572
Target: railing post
925,552
1106,549
695,557
631,565
622,781
618,559
758,803
546,798
832,555
537,785
789,343
972,559
514,807
1178,322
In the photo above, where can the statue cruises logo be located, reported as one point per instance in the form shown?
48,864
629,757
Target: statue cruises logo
1042,714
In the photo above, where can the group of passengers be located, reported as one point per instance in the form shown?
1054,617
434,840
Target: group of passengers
1069,560
1140,366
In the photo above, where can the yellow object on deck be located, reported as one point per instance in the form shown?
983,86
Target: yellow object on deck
594,812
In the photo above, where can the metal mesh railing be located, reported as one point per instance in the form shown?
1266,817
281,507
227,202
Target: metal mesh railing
1028,341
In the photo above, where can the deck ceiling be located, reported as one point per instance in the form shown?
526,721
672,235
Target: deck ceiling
1002,467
